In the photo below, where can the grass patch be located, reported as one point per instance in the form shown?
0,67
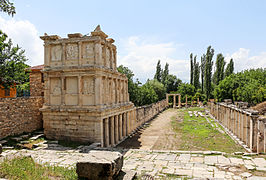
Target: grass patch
198,134
26,168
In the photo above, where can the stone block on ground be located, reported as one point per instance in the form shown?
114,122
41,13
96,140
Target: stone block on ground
126,175
100,165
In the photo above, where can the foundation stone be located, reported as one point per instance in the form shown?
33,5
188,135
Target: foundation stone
100,165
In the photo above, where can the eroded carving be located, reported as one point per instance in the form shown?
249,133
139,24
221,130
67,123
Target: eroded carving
88,51
88,85
72,51
56,53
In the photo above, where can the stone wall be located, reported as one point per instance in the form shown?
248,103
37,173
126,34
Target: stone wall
246,124
18,115
146,113
36,83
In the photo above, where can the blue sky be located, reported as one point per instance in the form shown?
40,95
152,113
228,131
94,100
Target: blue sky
146,31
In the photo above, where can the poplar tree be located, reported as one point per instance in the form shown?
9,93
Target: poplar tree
219,72
191,68
158,73
229,68
196,74
208,71
202,68
165,73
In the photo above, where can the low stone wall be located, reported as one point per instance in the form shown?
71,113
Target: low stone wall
18,115
246,124
146,113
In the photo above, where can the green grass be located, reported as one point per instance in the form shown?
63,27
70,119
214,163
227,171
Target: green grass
26,168
198,134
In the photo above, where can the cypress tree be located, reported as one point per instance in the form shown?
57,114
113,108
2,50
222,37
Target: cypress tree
229,68
158,73
165,73
202,68
208,71
219,72
191,68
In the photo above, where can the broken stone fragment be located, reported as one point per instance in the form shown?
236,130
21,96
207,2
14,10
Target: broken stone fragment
100,165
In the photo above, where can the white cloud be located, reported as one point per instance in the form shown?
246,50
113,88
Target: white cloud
25,34
142,56
242,60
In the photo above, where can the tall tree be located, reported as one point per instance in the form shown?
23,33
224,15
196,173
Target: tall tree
196,74
208,71
7,7
219,72
158,73
191,68
229,68
202,68
165,73
12,63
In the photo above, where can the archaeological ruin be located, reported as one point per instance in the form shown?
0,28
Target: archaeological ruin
85,98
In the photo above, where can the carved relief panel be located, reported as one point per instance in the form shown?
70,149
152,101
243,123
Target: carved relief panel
88,53
88,90
72,51
56,53
55,91
71,87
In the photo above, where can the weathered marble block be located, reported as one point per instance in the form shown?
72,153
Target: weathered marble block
100,165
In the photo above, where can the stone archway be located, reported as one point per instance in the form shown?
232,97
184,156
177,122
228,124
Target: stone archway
174,100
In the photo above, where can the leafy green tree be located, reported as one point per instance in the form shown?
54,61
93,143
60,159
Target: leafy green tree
148,94
229,68
172,83
165,73
219,72
158,88
191,68
12,63
202,70
248,86
158,73
208,72
186,89
7,7
196,73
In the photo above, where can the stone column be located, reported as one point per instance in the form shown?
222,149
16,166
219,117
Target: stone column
253,131
63,53
261,138
63,90
106,132
126,120
174,101
248,130
186,100
123,125
116,129
112,131
198,101
120,127
179,101
244,119
167,99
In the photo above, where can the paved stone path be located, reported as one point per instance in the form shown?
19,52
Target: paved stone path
158,163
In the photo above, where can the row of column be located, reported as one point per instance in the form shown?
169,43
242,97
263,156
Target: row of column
117,127
114,90
247,126
174,99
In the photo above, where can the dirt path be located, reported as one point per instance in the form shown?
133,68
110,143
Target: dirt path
158,134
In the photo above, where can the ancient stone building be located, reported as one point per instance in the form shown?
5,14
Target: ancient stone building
85,98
